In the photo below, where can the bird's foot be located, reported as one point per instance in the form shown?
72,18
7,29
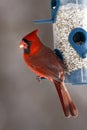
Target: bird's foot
39,78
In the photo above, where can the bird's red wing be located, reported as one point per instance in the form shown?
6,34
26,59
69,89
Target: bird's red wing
46,64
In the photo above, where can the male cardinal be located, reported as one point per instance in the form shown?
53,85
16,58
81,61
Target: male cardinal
45,63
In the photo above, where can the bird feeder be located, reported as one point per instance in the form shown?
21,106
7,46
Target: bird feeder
69,19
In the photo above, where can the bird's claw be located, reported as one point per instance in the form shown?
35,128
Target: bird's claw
39,78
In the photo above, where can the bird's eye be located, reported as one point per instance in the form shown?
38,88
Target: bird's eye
24,44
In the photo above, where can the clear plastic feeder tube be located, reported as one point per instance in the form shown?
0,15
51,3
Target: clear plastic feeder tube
70,37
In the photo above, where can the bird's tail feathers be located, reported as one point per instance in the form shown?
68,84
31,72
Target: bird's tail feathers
65,99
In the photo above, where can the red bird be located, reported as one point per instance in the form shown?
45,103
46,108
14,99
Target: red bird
45,63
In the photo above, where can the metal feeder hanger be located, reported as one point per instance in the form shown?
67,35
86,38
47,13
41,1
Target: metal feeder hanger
54,9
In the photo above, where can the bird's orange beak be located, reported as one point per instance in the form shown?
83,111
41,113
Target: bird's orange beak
21,45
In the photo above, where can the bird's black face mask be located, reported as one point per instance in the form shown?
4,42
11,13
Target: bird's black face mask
27,50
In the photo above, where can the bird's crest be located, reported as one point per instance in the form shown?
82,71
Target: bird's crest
31,35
